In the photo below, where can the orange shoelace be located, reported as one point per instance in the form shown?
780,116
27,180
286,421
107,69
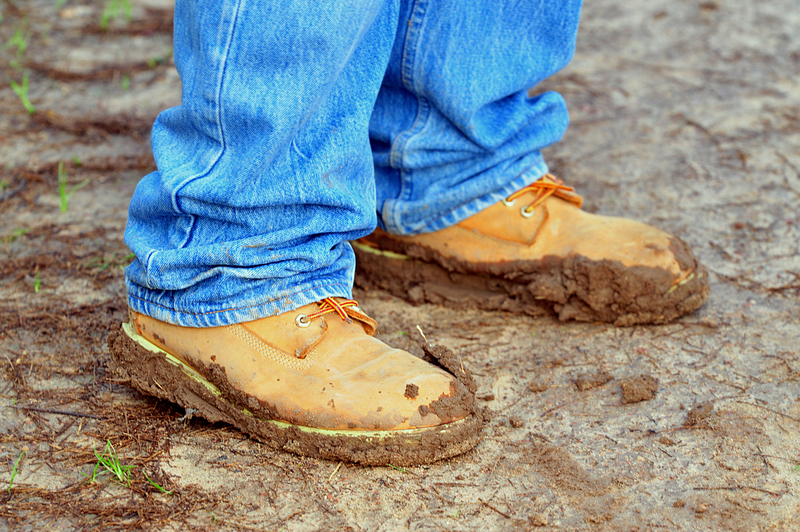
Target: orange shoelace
328,306
543,188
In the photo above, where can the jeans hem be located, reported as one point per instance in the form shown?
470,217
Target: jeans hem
391,217
234,315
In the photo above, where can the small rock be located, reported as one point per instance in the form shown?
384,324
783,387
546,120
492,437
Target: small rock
663,440
516,421
680,503
701,508
538,520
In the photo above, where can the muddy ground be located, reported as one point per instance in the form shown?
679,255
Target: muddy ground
685,115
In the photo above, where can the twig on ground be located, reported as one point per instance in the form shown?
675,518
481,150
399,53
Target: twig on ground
52,411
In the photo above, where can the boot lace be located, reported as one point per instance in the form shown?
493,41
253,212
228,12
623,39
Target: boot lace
543,188
328,306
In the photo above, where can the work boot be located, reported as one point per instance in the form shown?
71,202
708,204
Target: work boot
313,382
537,252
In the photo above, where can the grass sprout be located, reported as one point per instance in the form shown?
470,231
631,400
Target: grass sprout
159,60
108,462
37,282
400,469
159,488
115,9
62,187
102,264
21,90
19,40
14,235
15,471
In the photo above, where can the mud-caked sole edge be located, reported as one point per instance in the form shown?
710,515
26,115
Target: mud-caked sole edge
562,287
153,371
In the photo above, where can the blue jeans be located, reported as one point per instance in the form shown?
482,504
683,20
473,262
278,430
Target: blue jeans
304,124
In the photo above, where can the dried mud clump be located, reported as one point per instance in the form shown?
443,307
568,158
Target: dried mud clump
640,388
699,412
412,391
588,381
447,359
537,387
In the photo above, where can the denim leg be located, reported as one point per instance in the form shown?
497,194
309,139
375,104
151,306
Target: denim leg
453,130
265,169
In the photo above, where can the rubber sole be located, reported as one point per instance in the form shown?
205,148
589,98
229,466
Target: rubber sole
572,288
155,372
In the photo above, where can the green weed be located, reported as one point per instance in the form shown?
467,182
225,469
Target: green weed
126,82
796,468
22,92
159,60
20,40
115,9
14,235
102,264
162,490
400,469
108,462
4,184
60,4
77,161
14,471
62,187
37,282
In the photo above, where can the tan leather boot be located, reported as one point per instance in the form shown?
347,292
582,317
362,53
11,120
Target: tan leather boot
538,252
313,382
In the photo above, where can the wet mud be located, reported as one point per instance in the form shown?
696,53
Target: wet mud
150,373
573,287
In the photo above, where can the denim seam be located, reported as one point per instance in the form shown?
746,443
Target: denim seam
220,129
234,308
423,112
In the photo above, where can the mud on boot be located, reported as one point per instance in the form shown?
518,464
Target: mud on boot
313,382
537,252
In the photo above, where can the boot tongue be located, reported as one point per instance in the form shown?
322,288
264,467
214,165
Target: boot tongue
370,325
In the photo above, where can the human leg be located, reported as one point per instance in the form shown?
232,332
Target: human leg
264,172
467,219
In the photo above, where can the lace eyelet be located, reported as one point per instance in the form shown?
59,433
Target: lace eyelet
302,321
508,203
527,213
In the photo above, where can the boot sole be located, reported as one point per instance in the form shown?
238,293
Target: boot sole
153,371
573,288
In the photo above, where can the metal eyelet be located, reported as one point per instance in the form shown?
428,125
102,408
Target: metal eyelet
526,213
302,321
508,203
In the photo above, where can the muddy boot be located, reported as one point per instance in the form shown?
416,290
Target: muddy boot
313,382
537,252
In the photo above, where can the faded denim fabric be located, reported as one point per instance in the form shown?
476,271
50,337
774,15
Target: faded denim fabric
304,124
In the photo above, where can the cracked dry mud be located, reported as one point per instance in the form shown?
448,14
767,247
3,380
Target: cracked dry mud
684,115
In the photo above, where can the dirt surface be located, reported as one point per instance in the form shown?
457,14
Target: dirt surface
684,115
